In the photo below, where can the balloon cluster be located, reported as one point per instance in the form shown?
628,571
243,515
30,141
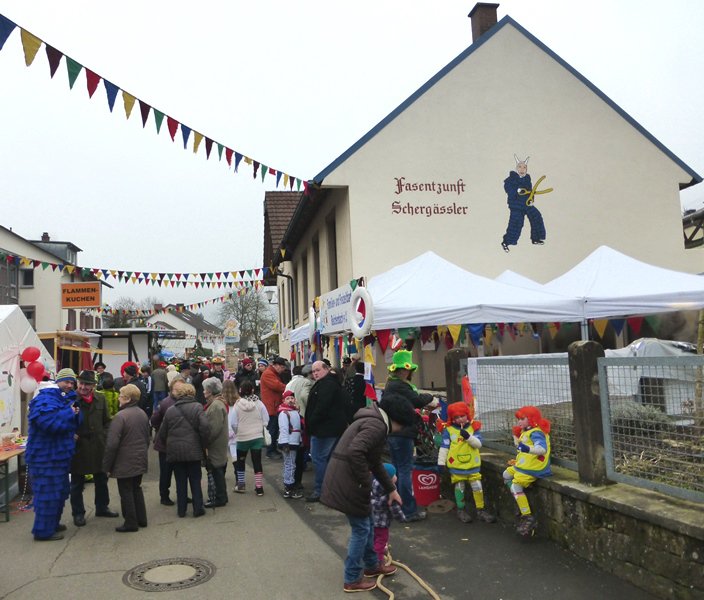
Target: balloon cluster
34,370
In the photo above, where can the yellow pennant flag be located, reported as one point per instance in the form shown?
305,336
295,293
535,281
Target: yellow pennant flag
197,139
70,269
600,326
442,330
25,262
285,179
455,332
488,334
369,355
128,99
552,328
247,160
31,45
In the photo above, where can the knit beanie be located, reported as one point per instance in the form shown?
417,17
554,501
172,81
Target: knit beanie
390,469
66,375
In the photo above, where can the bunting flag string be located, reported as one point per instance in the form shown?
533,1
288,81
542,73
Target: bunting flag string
216,279
147,312
31,45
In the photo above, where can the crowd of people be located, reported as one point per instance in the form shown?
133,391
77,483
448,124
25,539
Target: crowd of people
201,416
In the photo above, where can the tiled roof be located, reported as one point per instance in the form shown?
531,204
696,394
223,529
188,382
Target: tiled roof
196,321
278,211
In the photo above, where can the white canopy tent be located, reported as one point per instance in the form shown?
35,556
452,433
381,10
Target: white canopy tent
610,284
430,290
512,278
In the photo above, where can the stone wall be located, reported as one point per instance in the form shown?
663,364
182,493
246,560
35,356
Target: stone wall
654,541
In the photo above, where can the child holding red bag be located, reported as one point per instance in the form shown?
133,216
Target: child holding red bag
459,454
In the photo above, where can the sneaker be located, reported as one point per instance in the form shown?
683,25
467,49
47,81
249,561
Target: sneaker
420,515
363,585
505,247
485,516
239,489
259,491
526,526
380,570
463,515
538,242
295,493
287,494
167,501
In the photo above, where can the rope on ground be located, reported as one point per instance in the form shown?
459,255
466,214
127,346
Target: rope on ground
408,570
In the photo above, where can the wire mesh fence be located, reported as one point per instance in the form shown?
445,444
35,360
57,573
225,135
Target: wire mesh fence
653,419
503,385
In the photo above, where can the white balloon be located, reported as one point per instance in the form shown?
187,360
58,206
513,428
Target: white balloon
23,373
28,384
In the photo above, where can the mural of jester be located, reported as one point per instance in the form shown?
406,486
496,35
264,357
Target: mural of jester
520,198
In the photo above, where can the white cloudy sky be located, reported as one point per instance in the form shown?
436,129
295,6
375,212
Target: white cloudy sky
291,84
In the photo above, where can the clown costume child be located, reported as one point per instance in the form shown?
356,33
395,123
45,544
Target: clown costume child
532,440
459,453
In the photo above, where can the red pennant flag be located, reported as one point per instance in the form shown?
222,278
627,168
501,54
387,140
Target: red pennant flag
449,343
92,80
172,124
305,187
228,156
383,337
635,324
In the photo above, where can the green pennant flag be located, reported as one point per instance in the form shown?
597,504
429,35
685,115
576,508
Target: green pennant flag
220,149
45,265
265,170
210,276
407,333
74,69
298,184
158,119
353,284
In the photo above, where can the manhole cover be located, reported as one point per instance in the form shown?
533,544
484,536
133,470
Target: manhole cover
169,574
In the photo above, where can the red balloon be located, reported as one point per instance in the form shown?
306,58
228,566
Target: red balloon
36,369
30,354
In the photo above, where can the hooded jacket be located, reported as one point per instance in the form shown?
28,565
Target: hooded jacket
127,445
185,431
404,394
348,481
249,417
329,408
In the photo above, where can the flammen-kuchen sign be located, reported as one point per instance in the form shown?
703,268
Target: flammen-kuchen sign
80,295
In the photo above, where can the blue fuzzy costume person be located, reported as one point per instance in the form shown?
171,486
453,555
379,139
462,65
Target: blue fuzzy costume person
517,187
50,447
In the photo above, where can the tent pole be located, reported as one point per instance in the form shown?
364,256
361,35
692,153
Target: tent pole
585,330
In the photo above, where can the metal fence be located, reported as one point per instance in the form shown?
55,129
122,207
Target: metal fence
652,411
653,423
503,385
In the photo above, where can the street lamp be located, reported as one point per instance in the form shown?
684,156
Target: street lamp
269,295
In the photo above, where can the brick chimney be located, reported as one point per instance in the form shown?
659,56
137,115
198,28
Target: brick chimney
483,17
45,237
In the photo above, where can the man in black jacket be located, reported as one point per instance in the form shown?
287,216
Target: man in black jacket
328,413
132,376
401,395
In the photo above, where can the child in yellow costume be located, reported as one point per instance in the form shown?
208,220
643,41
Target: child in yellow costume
532,439
459,453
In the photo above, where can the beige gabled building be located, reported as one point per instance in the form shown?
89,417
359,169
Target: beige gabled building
430,176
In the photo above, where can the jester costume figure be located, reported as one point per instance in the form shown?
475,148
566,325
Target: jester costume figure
50,447
518,187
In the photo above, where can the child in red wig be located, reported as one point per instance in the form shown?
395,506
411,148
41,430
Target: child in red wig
459,453
532,439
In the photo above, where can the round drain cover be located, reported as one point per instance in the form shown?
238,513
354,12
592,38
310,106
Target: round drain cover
169,574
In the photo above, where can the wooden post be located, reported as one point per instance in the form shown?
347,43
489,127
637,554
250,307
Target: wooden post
586,410
455,369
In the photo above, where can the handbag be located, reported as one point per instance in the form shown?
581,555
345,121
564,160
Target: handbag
267,436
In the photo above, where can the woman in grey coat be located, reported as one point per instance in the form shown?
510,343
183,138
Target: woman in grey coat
185,432
125,456
216,410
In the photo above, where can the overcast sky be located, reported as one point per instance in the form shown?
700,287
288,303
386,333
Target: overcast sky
290,84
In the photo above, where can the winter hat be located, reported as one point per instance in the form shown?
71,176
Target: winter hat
390,469
66,375
171,375
457,409
247,361
535,418
287,394
263,362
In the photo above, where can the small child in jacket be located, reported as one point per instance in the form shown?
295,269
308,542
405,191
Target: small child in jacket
532,440
459,453
290,438
382,513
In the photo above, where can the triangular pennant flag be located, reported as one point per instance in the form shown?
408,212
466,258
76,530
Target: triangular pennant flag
305,186
265,170
158,119
31,45
247,160
73,69
238,158
618,325
600,326
92,81
197,139
128,100
53,56
635,324
255,169
278,178
111,90
172,124
383,337
6,28
185,133
220,148
144,109
285,179
228,156
455,332
208,147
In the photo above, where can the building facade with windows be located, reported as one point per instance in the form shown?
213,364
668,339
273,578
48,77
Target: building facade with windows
508,158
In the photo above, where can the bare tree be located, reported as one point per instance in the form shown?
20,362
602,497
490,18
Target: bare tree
131,319
253,313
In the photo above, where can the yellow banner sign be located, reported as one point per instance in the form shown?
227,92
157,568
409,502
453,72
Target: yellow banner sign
80,295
